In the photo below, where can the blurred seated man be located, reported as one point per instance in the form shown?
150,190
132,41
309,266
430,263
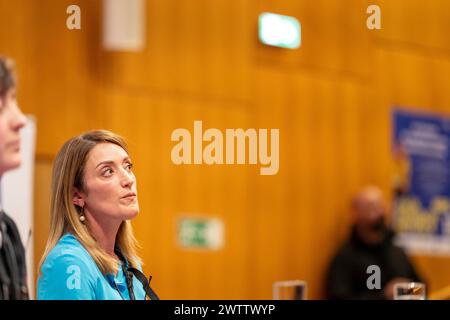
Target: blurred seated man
370,243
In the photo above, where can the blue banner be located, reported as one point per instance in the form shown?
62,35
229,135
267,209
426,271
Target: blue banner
421,145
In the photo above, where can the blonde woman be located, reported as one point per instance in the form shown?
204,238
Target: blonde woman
91,251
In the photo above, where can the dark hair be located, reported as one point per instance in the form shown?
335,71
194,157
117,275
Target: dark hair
7,77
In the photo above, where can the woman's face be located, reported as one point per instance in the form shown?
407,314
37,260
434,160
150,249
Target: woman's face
11,121
109,185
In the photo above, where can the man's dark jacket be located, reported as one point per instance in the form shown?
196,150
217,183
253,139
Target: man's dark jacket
348,272
12,261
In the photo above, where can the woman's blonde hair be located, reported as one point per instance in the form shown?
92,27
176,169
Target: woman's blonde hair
68,173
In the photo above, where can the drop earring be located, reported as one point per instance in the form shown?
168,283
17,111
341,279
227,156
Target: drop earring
82,217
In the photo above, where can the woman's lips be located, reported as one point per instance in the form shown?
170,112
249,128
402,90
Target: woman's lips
15,145
129,196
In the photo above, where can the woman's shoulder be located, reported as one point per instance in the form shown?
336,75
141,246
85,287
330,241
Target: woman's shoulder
68,251
68,272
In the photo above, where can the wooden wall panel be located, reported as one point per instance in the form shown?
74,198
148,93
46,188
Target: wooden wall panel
318,117
42,186
418,23
201,49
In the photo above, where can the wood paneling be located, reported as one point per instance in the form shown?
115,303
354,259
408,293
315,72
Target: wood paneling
195,50
424,24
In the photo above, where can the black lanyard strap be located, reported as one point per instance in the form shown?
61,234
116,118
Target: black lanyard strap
129,281
129,272
145,283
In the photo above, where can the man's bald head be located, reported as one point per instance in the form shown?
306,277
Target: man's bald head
369,209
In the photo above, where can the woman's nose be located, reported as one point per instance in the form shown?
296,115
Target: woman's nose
127,179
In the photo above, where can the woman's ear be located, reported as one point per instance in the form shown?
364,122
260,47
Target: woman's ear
77,198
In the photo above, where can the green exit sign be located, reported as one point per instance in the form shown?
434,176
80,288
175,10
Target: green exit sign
203,233
279,30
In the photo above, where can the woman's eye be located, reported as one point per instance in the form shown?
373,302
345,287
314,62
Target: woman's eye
107,172
129,166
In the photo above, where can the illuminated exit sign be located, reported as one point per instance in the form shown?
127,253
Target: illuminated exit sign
200,233
279,31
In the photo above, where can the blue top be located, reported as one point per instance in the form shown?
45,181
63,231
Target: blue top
70,273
